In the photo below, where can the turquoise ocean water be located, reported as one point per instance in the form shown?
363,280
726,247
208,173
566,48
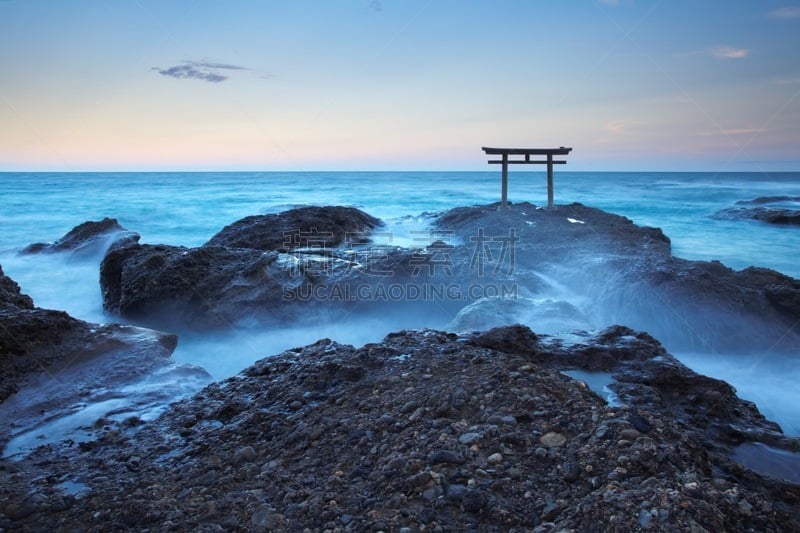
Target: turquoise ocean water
188,208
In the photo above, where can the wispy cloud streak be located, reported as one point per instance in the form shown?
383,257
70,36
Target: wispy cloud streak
785,13
719,52
732,131
616,126
728,52
200,70
786,81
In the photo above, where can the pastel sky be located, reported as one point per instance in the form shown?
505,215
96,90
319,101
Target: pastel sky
398,84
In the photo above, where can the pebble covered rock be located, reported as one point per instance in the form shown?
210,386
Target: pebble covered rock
425,431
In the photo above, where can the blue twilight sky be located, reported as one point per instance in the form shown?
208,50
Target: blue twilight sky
398,84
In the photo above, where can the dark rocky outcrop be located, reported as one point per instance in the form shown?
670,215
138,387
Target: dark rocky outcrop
178,284
625,274
89,237
243,272
425,430
782,210
209,286
601,266
32,339
771,215
10,294
225,280
647,377
51,364
302,227
699,305
87,365
547,235
761,200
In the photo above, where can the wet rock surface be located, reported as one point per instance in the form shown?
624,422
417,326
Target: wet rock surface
32,338
781,210
550,316
260,268
425,431
769,200
11,298
210,286
625,274
547,235
647,377
319,227
706,306
770,215
53,366
116,374
89,237
589,267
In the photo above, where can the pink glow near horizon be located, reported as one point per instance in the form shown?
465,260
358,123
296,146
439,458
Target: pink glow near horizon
314,85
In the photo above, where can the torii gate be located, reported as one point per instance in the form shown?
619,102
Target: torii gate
527,152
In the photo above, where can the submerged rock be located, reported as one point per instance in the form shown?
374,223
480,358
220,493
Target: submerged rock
89,237
783,210
771,215
453,435
547,316
770,200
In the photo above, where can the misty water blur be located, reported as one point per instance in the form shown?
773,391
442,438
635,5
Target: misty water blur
187,209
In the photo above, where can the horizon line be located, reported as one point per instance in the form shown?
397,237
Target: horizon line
362,171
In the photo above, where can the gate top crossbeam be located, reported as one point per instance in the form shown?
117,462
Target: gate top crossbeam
522,151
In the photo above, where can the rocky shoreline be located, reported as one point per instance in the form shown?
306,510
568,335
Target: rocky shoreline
426,430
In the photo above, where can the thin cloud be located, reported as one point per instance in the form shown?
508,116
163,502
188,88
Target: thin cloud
376,5
732,131
200,70
615,126
728,52
222,66
743,131
785,13
719,52
786,81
